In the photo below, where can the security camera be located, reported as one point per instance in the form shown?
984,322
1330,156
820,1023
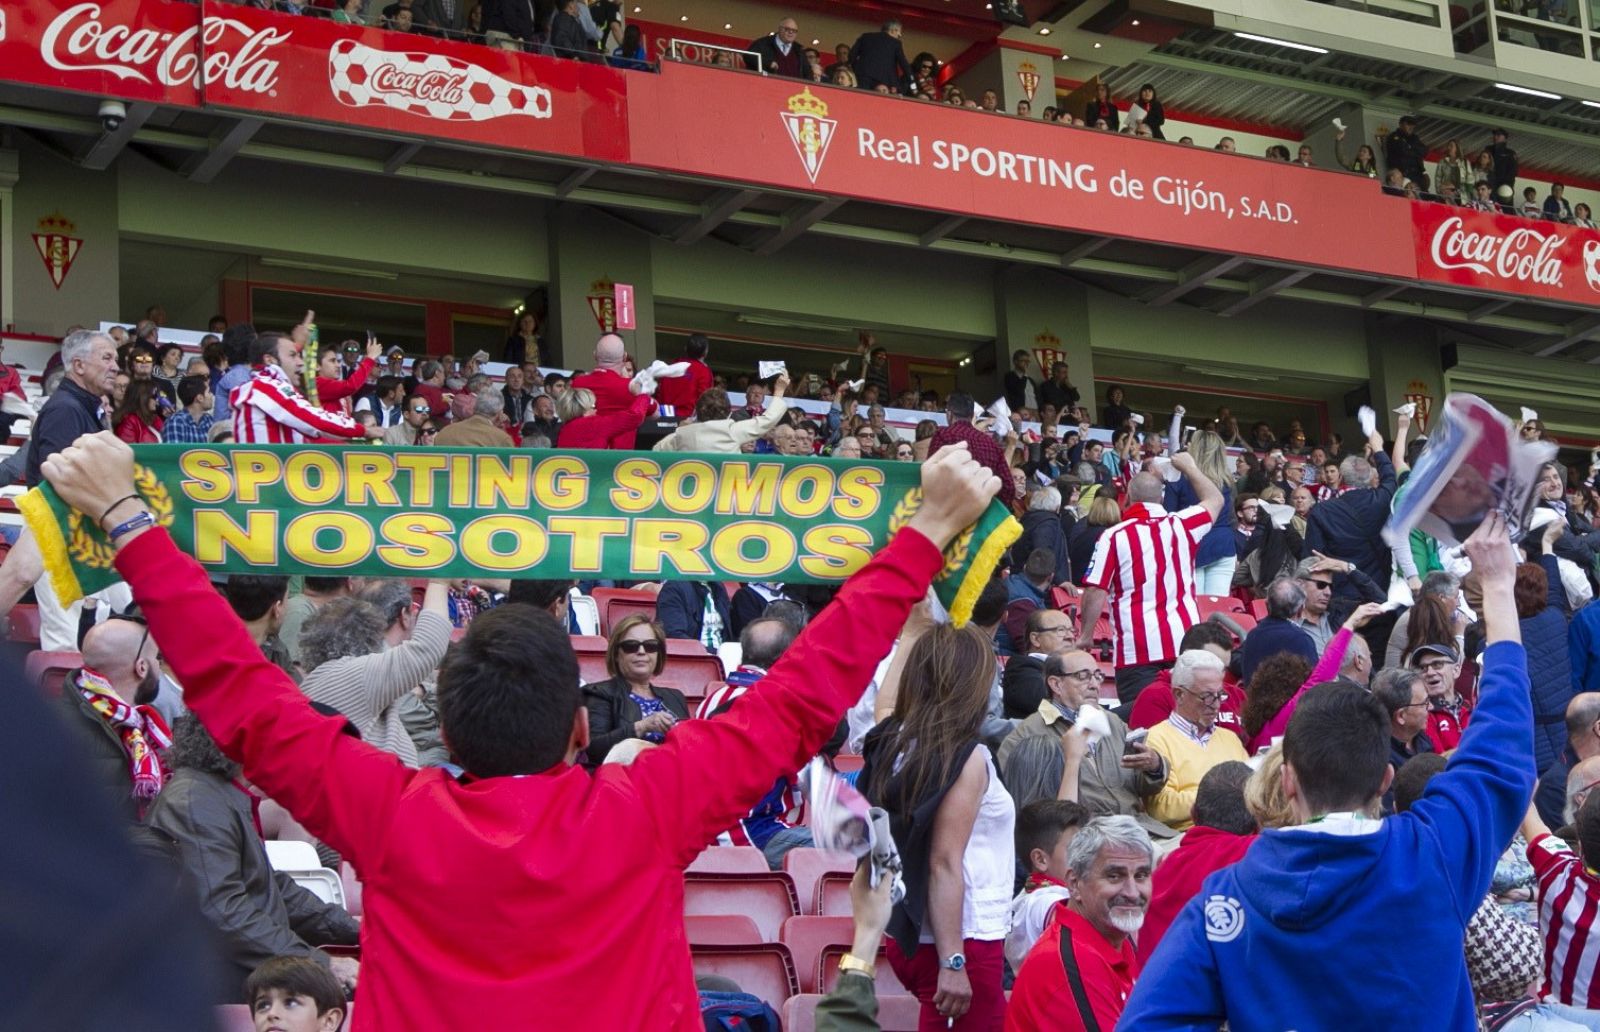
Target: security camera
111,114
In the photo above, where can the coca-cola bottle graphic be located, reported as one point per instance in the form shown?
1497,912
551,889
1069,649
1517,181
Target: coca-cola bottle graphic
430,85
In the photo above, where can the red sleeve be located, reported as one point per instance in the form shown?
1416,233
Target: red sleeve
613,423
710,772
343,790
1549,855
333,389
129,429
294,411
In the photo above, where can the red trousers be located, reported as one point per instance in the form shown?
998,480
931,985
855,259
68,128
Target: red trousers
985,970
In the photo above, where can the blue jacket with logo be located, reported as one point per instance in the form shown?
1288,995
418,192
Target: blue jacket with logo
1346,923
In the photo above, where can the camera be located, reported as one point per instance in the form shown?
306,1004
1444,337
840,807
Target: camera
111,114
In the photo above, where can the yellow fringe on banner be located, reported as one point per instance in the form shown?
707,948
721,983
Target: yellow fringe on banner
41,520
982,569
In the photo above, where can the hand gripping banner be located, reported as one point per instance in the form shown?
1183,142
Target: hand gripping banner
481,512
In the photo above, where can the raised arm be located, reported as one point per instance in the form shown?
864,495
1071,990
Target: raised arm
1398,451
710,772
343,790
1474,806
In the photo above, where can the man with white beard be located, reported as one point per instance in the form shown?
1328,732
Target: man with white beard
1078,975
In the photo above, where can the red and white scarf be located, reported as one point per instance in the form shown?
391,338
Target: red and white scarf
144,734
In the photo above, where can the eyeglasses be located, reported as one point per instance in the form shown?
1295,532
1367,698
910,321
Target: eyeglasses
649,648
420,409
1321,585
427,430
1435,665
1093,675
1204,698
1416,705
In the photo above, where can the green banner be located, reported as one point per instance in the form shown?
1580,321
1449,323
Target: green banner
487,512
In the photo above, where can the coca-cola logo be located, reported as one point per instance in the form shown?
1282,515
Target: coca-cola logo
444,87
1524,254
236,54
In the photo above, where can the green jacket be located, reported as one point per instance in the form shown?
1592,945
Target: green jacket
851,1007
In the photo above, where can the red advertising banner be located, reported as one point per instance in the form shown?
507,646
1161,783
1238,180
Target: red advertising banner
658,37
626,319
787,133
429,87
1507,254
118,49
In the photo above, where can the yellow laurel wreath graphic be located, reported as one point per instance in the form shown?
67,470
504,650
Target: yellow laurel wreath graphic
97,553
955,557
905,509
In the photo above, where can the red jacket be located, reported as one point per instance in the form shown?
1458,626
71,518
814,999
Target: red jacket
1155,704
606,429
515,902
681,392
1041,1000
1177,881
1444,728
332,392
136,431
611,397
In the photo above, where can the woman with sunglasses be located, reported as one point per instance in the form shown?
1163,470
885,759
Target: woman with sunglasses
628,705
141,414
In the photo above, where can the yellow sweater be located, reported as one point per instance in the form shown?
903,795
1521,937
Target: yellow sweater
1187,763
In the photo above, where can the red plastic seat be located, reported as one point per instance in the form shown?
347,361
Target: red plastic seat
690,669
1209,604
885,981
616,604
833,894
24,624
807,936
807,865
729,860
1245,620
1258,608
591,653
721,930
765,970
49,670
768,898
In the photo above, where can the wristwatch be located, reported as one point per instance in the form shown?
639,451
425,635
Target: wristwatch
851,962
955,963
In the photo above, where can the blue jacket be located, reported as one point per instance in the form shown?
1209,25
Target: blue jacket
1583,648
1344,930
1549,672
1349,527
1270,637
1217,545
681,608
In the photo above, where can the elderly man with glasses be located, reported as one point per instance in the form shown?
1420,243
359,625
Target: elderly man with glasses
1188,739
1323,613
1109,777
1440,666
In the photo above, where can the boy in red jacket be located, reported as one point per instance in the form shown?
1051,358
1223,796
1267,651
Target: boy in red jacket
526,893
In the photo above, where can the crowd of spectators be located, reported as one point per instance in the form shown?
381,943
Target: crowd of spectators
1181,767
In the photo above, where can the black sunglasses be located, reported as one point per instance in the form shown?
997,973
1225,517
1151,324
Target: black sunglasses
648,647
427,430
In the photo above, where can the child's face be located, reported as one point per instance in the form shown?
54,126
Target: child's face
1053,863
279,1011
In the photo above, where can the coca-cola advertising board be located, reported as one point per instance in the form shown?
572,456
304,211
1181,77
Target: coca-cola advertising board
1506,253
432,87
121,49
810,137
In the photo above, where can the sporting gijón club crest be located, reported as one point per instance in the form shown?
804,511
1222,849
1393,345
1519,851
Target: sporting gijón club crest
810,128
57,247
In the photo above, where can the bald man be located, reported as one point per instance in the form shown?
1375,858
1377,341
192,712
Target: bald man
110,701
610,386
1583,742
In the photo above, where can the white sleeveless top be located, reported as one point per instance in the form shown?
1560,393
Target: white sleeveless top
989,866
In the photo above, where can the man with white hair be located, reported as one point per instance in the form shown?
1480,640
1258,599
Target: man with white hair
1144,568
610,386
1041,528
1350,525
1079,974
1188,739
79,406
482,428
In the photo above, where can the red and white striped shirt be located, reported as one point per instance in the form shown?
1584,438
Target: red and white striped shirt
268,410
1145,565
1568,897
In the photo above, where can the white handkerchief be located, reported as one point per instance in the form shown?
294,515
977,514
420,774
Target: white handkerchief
662,371
1092,721
766,370
1528,414
1368,420
1408,409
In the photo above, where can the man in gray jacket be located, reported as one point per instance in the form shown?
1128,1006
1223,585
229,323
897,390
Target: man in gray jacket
713,431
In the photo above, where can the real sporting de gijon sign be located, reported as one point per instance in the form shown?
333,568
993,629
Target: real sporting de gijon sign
816,138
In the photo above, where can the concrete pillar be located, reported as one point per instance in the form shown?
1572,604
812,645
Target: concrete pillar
589,254
75,210
1046,315
1403,358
